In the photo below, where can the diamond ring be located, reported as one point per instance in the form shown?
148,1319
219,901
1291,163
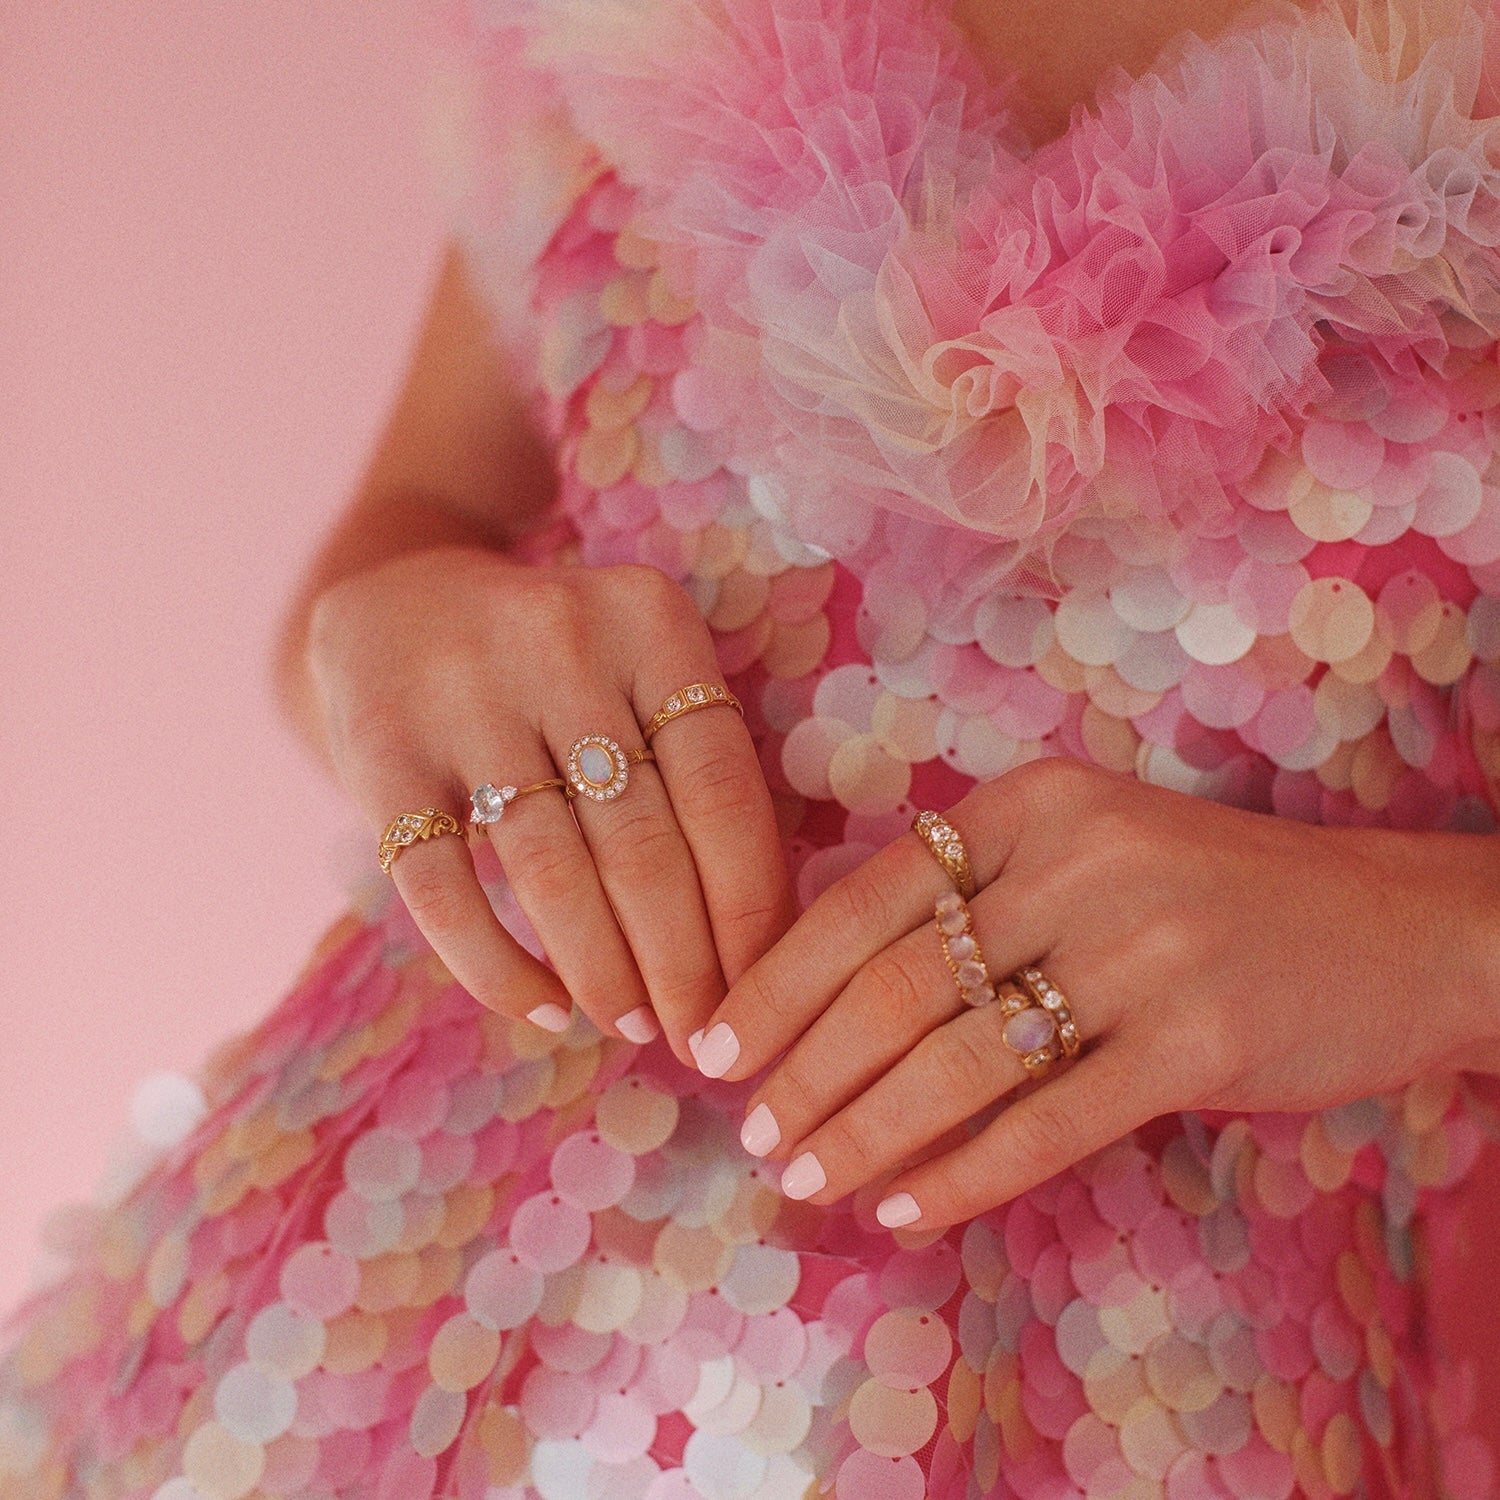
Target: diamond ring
490,801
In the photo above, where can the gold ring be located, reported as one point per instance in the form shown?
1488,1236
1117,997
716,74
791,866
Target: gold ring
942,838
409,827
689,700
955,925
491,801
1054,1002
599,769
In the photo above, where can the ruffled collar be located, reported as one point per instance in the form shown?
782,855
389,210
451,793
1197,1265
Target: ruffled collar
930,320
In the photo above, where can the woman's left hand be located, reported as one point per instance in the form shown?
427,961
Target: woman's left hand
1212,958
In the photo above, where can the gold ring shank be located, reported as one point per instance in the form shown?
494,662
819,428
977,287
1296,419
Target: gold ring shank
947,847
690,699
411,828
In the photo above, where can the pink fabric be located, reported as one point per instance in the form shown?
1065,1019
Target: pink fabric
1168,446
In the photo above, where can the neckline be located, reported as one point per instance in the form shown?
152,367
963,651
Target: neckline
1115,81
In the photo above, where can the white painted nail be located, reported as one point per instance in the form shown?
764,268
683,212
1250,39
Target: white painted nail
760,1132
638,1025
716,1052
898,1210
549,1017
804,1177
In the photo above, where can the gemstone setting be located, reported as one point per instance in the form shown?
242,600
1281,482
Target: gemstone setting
490,803
597,768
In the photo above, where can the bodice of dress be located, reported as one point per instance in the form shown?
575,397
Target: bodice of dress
1170,445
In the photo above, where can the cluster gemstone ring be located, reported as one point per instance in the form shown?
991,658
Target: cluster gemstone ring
1038,1026
410,828
688,700
599,769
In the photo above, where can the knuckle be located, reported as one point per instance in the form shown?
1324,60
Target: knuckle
431,894
964,1070
889,991
848,1151
718,787
1033,1129
641,847
859,903
545,868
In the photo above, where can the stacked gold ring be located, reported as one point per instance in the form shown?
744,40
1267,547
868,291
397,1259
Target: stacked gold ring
490,801
409,828
690,699
947,847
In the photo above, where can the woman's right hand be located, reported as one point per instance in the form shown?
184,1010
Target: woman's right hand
444,669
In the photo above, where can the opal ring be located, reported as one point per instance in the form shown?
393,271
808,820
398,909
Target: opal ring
942,838
688,700
599,769
955,925
430,823
1039,1027
491,801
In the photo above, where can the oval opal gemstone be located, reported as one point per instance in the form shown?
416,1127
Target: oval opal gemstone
1029,1030
596,765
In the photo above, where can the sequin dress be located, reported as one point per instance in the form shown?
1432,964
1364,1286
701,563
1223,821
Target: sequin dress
1171,446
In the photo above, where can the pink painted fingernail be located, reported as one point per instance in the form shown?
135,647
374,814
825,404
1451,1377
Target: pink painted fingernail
760,1132
898,1210
549,1017
804,1177
695,1041
638,1025
716,1052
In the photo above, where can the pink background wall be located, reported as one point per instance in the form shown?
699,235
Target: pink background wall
215,235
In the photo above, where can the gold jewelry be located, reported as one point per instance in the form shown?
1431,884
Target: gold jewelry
491,801
599,769
430,823
1040,1028
955,925
688,700
942,838
1055,1003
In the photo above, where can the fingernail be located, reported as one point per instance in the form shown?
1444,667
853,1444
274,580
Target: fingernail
549,1017
804,1177
898,1210
716,1052
638,1025
760,1132
695,1041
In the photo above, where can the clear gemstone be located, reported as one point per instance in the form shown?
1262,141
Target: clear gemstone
979,995
595,765
971,974
1052,1000
1029,1031
962,947
951,923
673,704
697,695
950,902
489,802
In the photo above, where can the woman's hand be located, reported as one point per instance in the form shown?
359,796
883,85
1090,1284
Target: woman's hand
442,670
1213,959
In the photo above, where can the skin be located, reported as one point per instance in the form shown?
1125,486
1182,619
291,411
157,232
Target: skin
1290,967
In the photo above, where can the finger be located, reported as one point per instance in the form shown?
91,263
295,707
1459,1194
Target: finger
1097,1100
719,795
781,995
551,873
647,872
437,882
893,1002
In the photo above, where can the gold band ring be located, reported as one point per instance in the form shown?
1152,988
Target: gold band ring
689,700
942,838
430,823
1055,1003
599,769
491,801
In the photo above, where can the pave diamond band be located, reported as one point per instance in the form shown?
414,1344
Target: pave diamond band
411,827
690,699
942,838
490,801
